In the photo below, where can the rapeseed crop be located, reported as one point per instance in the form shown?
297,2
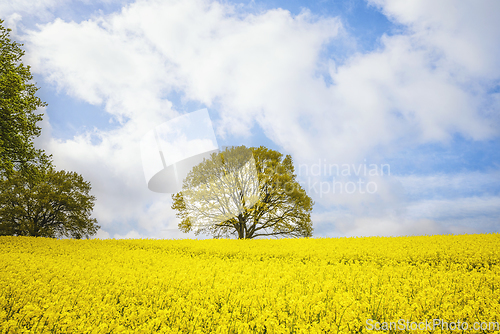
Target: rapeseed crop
346,285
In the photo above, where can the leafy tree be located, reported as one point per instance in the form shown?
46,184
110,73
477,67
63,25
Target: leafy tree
46,203
244,192
35,199
18,104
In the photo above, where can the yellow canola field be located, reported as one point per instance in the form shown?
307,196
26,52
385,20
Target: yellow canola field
346,285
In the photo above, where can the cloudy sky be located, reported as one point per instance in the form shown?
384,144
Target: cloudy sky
390,109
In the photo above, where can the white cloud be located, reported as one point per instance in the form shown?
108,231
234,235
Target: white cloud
101,234
472,208
130,235
458,184
444,204
96,65
386,227
465,33
264,67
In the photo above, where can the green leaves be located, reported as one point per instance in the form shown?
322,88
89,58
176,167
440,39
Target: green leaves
18,104
46,203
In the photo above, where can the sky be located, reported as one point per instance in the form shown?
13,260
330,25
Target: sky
390,109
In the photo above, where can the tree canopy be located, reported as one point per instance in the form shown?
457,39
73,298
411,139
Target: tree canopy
46,203
18,105
246,193
35,199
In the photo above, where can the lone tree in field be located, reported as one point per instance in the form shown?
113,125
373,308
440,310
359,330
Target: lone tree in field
246,193
35,200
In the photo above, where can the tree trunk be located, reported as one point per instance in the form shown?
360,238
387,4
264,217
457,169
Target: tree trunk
241,227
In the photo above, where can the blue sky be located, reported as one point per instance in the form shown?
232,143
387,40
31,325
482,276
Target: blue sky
412,85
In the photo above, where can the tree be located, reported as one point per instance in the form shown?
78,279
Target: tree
35,199
18,104
46,203
244,192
